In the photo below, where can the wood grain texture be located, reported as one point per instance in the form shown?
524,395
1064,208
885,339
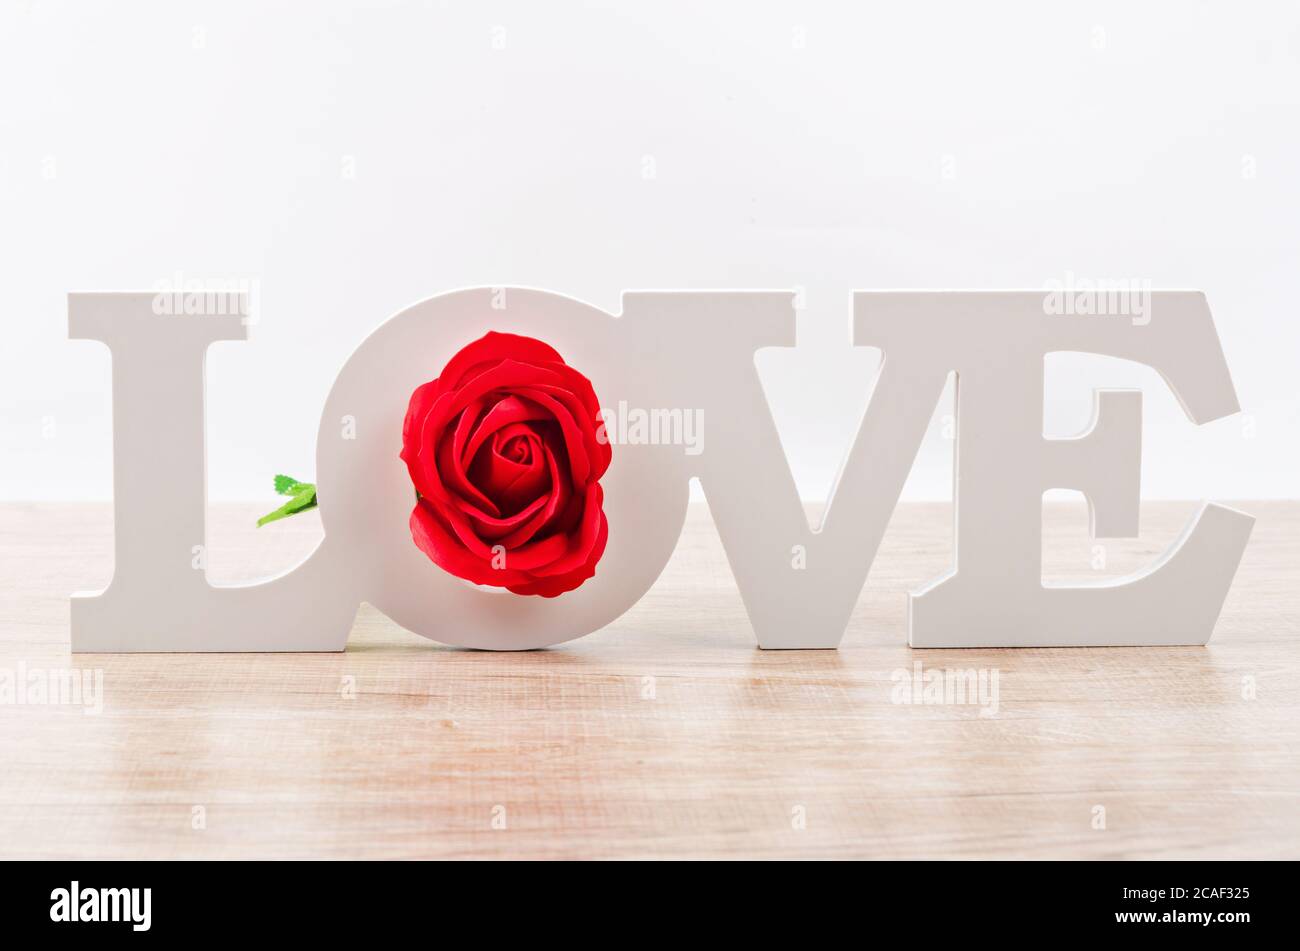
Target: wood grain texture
668,734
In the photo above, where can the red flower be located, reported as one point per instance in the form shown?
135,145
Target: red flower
504,453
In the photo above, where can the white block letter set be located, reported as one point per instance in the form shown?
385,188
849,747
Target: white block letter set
692,352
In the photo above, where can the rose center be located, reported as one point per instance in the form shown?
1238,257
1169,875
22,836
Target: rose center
518,449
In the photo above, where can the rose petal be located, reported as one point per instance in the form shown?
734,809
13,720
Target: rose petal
455,477
509,409
598,451
417,409
574,444
510,531
580,543
508,483
433,536
550,586
493,348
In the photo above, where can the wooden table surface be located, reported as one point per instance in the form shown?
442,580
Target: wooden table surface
668,734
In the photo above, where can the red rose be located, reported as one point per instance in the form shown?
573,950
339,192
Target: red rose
503,450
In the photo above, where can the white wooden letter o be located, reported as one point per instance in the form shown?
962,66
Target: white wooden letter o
366,494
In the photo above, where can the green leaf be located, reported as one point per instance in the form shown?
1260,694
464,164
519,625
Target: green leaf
303,498
286,485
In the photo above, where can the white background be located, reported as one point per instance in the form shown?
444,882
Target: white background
349,159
